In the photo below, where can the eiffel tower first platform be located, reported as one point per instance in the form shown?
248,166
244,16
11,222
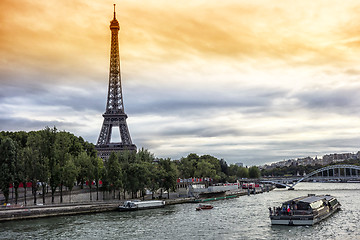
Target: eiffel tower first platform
114,115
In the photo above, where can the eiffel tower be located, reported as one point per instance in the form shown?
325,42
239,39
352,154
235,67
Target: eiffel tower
114,115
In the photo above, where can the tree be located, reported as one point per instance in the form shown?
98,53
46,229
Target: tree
143,155
205,169
32,163
114,173
82,162
157,173
41,151
137,177
213,161
188,165
24,154
17,172
56,164
171,173
224,167
254,172
243,172
238,172
90,175
98,166
70,173
7,158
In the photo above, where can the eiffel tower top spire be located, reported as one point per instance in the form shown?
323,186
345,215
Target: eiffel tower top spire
114,11
114,24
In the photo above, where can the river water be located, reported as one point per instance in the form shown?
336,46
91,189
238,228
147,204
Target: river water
245,217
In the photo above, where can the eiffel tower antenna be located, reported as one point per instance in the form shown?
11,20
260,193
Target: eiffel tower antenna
114,115
114,11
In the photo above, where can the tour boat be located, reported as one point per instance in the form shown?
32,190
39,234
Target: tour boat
306,210
140,205
204,207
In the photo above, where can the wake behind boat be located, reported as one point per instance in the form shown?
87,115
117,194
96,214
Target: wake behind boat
140,205
306,210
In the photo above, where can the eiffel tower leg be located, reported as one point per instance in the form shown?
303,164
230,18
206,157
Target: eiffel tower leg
105,134
124,133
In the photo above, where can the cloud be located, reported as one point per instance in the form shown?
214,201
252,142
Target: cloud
245,81
343,101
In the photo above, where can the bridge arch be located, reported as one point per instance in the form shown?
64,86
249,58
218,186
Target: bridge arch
321,170
331,167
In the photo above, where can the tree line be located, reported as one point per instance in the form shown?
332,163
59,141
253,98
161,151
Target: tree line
216,169
49,158
45,158
57,159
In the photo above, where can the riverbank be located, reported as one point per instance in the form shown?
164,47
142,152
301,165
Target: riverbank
20,212
30,212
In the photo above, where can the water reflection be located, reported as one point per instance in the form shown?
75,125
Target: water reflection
242,218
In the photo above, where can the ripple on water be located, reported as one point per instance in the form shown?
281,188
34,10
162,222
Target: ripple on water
243,218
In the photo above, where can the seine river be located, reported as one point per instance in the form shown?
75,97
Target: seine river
245,217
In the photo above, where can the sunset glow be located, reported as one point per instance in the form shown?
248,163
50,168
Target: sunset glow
248,81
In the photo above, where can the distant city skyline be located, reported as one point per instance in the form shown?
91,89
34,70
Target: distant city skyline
324,160
250,82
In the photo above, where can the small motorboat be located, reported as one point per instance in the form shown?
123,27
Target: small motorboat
204,207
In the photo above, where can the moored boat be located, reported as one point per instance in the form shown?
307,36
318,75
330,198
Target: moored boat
204,207
306,210
140,205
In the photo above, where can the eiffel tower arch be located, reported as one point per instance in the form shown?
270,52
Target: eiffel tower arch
114,115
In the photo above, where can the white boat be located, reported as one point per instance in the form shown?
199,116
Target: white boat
139,205
306,210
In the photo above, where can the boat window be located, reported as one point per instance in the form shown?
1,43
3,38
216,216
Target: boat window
316,204
302,206
332,202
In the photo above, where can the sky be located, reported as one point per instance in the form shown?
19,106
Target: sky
247,81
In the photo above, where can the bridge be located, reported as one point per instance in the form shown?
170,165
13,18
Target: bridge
332,172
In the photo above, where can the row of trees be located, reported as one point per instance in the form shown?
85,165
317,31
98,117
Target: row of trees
46,158
209,166
49,158
136,172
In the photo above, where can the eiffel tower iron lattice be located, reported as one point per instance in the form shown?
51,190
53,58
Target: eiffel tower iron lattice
114,115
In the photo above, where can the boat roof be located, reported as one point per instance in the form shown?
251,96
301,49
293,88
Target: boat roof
310,199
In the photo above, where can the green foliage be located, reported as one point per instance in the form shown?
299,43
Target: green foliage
237,172
113,170
59,158
170,174
85,168
143,155
138,177
43,156
70,172
7,160
254,172
205,169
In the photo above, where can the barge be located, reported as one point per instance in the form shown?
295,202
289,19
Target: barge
140,205
306,210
